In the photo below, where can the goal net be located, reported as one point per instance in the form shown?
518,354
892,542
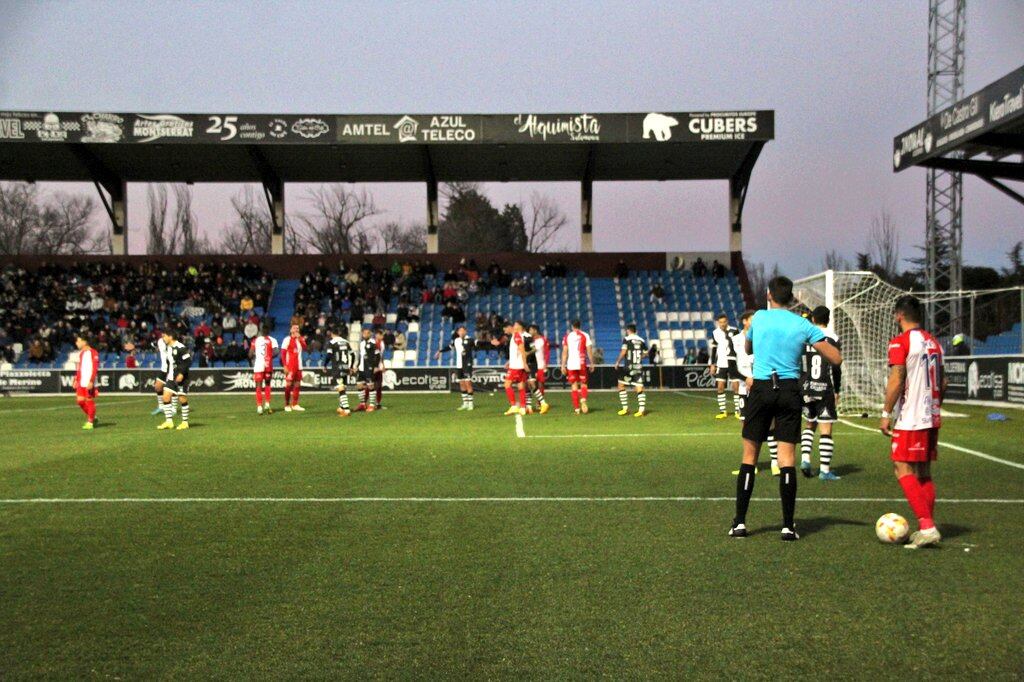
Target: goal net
861,305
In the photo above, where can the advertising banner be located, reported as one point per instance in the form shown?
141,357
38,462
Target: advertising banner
989,378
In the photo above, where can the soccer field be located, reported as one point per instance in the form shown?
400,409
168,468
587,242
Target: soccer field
423,542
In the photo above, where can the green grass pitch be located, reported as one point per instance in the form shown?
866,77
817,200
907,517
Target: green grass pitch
502,586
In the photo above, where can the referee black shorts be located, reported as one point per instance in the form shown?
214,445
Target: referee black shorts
779,403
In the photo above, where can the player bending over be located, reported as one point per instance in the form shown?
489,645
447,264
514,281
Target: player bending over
577,356
515,374
264,348
462,346
912,414
722,364
291,360
341,364
158,385
179,361
370,360
631,357
538,352
820,382
85,379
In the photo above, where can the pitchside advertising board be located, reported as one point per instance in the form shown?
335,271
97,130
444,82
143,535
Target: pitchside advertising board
989,378
432,379
993,106
386,129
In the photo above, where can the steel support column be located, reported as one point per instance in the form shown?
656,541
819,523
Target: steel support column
586,216
432,215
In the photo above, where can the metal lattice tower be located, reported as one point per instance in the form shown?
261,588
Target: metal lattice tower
944,222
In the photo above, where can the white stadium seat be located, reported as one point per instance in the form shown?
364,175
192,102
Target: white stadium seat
684,317
399,358
673,317
391,318
660,317
677,334
687,334
700,334
664,335
414,328
707,316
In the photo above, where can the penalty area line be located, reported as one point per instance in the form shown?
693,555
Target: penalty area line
958,448
449,500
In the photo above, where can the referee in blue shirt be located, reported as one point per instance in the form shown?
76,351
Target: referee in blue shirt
776,338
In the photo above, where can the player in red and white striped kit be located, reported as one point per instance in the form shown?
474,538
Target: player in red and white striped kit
85,380
541,350
291,361
912,414
577,356
264,348
515,374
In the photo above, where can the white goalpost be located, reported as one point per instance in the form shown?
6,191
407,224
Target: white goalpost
861,305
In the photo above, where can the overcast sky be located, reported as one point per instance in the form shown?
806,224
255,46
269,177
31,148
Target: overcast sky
842,77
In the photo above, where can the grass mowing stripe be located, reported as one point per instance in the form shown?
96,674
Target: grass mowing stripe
57,501
959,448
70,406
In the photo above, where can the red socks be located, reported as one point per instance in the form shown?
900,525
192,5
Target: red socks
266,394
295,395
522,397
576,398
89,408
584,390
928,490
259,396
918,500
511,393
287,395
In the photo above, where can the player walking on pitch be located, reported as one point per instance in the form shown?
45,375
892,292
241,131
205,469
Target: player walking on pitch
515,374
291,360
631,356
820,382
776,339
370,360
264,348
176,381
722,364
158,384
577,356
912,414
85,380
540,349
341,363
462,346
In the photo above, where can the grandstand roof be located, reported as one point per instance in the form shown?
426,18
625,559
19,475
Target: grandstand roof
989,122
134,147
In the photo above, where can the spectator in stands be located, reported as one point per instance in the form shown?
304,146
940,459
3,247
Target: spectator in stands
699,268
679,263
251,330
399,342
235,352
621,270
717,270
657,293
230,322
521,287
690,358
654,353
598,356
702,355
959,346
202,331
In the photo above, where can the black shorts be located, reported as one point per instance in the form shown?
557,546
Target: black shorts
176,388
338,377
464,373
766,404
631,376
821,408
367,376
728,373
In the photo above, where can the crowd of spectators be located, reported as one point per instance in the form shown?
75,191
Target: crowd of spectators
123,306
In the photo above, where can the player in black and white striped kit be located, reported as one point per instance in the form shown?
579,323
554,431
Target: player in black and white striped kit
341,363
631,356
722,362
158,384
462,345
179,362
820,382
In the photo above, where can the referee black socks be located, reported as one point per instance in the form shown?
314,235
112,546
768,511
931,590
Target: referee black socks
744,490
787,493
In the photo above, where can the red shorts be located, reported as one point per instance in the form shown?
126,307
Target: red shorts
260,377
295,375
577,376
85,393
516,376
541,376
915,446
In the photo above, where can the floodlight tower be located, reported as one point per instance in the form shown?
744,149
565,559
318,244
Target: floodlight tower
943,216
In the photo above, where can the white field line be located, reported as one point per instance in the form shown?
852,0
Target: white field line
73,405
520,430
447,500
959,448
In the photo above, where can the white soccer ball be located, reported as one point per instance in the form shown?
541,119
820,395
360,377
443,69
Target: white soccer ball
892,528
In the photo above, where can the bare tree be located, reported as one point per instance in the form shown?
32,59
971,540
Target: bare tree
544,220
32,222
252,230
884,244
186,224
339,223
396,238
173,231
759,278
161,238
834,261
